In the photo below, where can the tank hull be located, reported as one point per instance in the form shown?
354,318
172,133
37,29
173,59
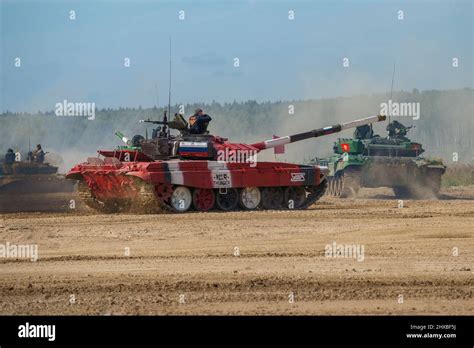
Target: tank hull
113,186
408,177
30,178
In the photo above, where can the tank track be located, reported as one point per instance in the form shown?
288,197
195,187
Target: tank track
88,198
425,187
147,201
35,184
344,186
315,193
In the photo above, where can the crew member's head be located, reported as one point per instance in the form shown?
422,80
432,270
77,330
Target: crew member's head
38,147
198,112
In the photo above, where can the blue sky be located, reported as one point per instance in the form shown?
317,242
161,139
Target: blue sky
83,60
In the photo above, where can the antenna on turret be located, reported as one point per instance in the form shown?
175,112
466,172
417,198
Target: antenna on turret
29,138
157,108
157,97
29,134
169,87
391,88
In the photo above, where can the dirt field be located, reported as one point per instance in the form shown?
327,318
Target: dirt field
245,262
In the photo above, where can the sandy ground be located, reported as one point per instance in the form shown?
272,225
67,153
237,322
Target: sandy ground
418,259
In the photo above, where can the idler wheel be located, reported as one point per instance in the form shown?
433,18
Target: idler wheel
181,199
330,190
272,197
295,197
203,199
250,198
334,186
228,200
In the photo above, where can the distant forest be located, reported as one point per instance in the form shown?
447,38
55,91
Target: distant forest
446,124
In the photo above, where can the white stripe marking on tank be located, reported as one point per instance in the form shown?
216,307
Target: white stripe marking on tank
361,122
216,165
192,144
277,142
176,174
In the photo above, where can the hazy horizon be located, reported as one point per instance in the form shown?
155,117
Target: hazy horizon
175,105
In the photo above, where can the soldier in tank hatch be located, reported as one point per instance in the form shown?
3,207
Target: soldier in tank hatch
198,122
397,130
9,157
38,154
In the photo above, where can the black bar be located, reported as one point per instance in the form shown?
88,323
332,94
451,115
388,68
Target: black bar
347,330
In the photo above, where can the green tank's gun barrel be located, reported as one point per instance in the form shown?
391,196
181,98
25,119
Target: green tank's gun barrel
123,137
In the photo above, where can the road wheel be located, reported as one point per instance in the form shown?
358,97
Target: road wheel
163,192
272,197
329,188
181,199
203,199
228,200
333,187
336,187
295,197
250,198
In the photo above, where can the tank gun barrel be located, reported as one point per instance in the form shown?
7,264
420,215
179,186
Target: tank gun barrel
122,137
267,144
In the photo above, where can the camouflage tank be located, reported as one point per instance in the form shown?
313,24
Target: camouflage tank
368,160
19,176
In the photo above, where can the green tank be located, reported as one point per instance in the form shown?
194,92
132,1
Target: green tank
25,177
368,160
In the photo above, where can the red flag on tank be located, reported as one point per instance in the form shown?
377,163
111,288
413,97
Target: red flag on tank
345,147
280,149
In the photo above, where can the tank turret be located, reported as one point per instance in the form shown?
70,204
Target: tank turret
364,142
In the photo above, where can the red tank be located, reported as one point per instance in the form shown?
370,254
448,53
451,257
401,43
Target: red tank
201,172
